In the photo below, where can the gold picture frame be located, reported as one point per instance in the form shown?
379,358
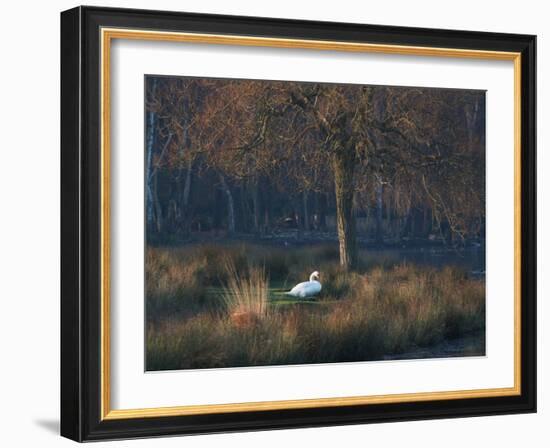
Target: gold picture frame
107,30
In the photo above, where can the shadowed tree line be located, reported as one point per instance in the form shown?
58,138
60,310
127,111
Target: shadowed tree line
242,157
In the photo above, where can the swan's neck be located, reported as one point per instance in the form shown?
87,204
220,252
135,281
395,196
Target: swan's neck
312,278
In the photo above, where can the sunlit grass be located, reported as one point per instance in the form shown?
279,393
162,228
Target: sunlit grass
204,311
246,294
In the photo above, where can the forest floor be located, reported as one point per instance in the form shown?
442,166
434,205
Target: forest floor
211,306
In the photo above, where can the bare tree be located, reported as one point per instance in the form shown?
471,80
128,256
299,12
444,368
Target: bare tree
395,149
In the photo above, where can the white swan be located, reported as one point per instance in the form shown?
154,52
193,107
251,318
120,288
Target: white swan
307,289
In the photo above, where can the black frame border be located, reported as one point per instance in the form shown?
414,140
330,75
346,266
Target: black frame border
81,224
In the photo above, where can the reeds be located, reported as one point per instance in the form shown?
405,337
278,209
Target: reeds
366,315
246,293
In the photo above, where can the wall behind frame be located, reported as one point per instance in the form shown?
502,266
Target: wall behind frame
29,228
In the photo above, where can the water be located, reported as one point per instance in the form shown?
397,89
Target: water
470,259
469,345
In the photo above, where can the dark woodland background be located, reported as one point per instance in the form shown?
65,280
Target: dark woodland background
365,165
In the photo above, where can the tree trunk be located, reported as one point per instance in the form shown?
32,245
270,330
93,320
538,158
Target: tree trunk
344,162
185,216
246,219
256,205
323,204
230,205
426,222
157,204
296,214
187,186
379,210
306,211
151,128
471,113
219,202
267,223
407,225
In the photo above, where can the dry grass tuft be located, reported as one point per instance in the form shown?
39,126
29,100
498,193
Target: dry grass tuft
209,309
246,294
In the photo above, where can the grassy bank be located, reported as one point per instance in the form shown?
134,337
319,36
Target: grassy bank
210,307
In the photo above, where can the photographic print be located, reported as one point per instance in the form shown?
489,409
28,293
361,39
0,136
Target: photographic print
252,207
299,222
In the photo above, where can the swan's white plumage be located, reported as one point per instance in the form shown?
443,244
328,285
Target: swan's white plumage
307,289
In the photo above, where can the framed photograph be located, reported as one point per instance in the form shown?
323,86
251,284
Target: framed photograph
275,224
